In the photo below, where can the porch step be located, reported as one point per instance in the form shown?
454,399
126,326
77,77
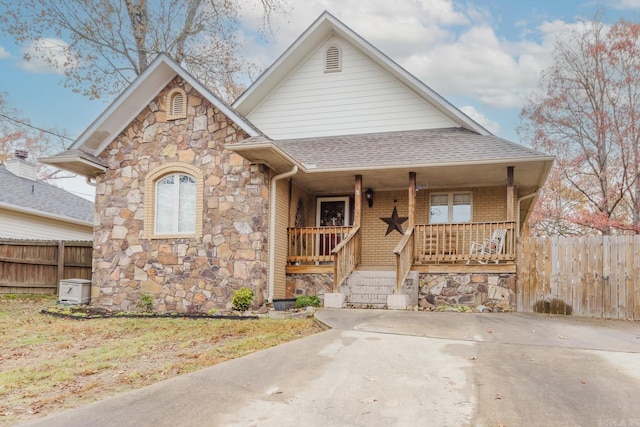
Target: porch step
369,289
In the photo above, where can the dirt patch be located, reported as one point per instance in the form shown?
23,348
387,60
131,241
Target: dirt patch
50,363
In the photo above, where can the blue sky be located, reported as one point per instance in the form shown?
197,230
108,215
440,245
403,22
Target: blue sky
484,56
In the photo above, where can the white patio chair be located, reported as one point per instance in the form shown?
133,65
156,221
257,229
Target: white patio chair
492,246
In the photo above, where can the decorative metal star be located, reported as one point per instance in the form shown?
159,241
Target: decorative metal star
395,222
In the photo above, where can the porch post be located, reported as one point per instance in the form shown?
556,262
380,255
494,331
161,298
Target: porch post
412,199
510,194
357,209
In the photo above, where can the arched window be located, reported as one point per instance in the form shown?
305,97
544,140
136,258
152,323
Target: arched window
173,201
176,104
175,204
332,59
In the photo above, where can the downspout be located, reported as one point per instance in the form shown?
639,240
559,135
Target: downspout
272,229
91,181
528,196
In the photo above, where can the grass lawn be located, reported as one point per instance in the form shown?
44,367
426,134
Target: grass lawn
48,363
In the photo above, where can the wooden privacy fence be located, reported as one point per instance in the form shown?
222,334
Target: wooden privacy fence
596,276
36,267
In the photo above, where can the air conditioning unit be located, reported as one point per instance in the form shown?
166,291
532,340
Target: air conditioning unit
74,291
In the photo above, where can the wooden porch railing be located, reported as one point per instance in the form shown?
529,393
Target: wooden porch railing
404,257
450,243
309,245
346,257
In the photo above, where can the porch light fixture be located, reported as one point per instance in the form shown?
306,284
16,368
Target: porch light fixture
369,195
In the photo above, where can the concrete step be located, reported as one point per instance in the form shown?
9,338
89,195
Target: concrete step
366,301
369,289
372,278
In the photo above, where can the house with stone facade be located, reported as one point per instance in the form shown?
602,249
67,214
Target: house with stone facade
337,173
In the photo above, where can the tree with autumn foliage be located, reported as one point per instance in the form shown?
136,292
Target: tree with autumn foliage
588,115
102,45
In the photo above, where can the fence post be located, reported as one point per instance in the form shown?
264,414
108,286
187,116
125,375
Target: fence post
60,261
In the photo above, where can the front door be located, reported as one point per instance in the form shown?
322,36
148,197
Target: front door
331,212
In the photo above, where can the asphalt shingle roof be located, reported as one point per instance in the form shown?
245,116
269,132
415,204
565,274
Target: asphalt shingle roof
388,149
43,197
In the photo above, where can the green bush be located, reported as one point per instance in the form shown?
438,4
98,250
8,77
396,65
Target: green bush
146,303
307,301
242,299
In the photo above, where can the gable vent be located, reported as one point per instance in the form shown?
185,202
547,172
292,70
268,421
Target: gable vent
332,60
176,104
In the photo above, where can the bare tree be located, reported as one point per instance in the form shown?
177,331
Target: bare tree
587,115
103,44
17,133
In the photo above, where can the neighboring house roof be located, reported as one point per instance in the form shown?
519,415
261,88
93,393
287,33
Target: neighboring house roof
42,199
82,156
325,26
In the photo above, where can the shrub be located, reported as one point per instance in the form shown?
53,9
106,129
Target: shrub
146,303
307,301
242,299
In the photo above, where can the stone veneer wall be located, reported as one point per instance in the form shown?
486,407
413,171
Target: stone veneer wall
309,284
181,274
493,290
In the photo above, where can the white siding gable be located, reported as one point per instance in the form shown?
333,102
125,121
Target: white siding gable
18,225
361,98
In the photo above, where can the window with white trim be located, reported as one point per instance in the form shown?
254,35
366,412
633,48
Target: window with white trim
175,204
447,208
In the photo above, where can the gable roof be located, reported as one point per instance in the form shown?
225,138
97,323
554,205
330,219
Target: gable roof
321,29
450,157
404,148
82,155
42,199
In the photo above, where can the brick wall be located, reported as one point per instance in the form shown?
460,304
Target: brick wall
488,204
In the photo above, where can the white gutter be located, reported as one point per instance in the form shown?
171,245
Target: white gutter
272,229
528,196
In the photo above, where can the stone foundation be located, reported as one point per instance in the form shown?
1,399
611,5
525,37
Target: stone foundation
309,284
471,289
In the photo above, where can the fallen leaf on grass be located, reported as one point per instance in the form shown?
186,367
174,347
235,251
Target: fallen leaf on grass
498,396
471,358
490,330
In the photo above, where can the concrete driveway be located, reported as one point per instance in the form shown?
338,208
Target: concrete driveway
397,368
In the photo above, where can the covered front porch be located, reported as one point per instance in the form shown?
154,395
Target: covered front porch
426,202
368,238
443,226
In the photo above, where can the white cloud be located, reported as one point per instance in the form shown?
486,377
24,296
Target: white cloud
490,125
625,4
3,53
48,55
